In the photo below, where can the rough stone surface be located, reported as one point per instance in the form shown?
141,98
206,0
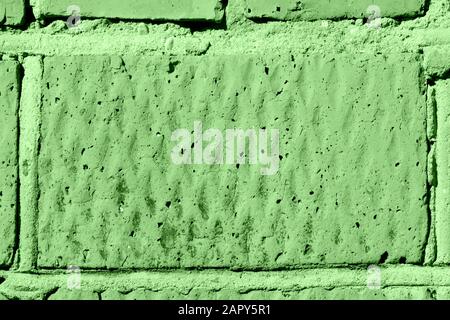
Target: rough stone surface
138,9
325,9
12,12
351,185
9,100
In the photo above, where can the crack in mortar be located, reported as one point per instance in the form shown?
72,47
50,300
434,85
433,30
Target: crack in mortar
431,177
429,172
38,152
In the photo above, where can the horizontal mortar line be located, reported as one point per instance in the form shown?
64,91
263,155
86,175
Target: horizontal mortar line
393,276
92,43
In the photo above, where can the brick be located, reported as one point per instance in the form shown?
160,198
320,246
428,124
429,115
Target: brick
351,186
437,61
12,12
139,9
442,205
324,9
9,96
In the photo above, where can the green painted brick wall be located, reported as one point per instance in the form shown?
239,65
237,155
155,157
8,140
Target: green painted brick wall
94,206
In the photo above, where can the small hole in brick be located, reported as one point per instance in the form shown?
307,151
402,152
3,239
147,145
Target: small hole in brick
384,257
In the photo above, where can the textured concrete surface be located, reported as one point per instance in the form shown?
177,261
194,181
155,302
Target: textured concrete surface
92,206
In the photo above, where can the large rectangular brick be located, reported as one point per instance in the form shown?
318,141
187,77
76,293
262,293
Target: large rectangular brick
442,206
351,185
12,12
325,9
9,98
137,9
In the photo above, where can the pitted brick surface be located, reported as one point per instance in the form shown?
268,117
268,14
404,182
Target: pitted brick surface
351,186
9,98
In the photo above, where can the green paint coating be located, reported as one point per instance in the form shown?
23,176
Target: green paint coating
12,12
353,99
351,186
399,282
443,171
9,95
30,110
325,9
136,9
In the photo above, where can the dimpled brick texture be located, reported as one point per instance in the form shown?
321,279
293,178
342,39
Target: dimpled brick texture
326,9
138,9
351,186
11,12
9,95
